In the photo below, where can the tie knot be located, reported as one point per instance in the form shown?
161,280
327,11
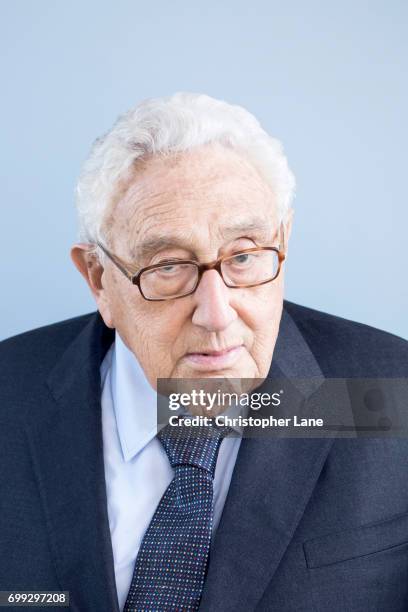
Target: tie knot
196,446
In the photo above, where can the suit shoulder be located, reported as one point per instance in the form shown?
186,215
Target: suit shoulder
348,347
38,348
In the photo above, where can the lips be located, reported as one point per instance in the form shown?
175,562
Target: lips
209,360
216,353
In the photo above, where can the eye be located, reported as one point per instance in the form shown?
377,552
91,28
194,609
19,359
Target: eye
167,269
171,269
241,259
167,265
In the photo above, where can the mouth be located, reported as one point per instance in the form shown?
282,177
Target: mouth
214,360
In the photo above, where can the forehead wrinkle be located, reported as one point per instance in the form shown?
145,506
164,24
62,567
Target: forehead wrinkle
169,190
256,224
157,242
150,199
169,198
173,189
168,213
142,219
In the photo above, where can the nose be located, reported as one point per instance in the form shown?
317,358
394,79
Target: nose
213,310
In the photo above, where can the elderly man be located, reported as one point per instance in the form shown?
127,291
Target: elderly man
185,216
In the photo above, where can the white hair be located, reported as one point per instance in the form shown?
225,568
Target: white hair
173,124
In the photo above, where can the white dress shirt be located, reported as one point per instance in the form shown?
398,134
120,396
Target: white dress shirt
137,470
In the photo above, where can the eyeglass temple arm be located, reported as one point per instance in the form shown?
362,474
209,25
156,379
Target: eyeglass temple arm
115,261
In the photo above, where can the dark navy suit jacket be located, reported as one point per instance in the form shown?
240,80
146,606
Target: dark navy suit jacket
309,524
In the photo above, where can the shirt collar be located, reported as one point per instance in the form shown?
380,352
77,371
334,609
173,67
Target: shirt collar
134,401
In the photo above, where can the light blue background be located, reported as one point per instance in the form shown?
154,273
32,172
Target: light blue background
327,78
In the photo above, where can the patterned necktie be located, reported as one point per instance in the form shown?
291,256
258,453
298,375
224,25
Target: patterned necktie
171,565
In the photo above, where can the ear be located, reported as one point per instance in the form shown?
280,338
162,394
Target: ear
88,264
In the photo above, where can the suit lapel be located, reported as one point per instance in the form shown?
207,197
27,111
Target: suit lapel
272,482
67,450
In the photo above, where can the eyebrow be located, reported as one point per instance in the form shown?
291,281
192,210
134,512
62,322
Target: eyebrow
235,230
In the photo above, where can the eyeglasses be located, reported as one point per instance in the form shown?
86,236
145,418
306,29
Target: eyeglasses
176,278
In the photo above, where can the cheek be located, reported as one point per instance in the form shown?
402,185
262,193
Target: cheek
155,327
260,309
261,312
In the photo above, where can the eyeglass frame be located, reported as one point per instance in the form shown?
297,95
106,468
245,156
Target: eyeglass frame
202,267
